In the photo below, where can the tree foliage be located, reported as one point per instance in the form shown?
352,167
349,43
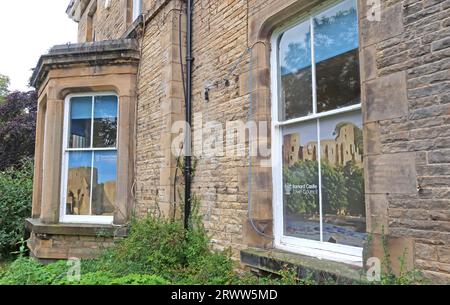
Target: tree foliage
4,83
17,128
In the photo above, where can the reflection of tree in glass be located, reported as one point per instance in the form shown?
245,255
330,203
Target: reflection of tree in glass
296,76
297,57
338,81
338,30
105,132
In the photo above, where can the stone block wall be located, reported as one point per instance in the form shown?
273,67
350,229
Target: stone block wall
160,105
405,64
407,111
108,24
55,247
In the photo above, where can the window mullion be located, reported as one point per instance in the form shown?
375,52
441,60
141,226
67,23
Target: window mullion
319,166
318,152
313,67
92,156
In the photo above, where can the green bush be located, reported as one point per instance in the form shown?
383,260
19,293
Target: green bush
16,188
26,271
107,278
162,247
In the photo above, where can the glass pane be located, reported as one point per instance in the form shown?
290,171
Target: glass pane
300,182
341,153
336,57
79,183
104,183
105,121
296,73
80,122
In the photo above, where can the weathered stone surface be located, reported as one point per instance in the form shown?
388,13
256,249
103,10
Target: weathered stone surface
439,156
368,63
377,213
391,173
390,25
372,141
426,252
386,97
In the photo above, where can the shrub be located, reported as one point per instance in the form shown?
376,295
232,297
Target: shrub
107,278
16,188
26,271
161,247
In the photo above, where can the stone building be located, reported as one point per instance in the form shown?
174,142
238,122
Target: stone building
295,67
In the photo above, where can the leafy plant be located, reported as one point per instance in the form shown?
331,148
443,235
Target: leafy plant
16,187
26,271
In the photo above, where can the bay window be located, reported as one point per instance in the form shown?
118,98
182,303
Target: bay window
317,147
89,158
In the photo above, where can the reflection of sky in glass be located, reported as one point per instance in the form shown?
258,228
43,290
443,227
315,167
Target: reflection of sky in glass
104,161
105,107
80,108
295,48
80,159
336,31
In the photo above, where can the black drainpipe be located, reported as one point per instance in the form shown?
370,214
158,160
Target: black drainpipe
188,142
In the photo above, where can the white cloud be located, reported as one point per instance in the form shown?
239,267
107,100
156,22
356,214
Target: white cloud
28,28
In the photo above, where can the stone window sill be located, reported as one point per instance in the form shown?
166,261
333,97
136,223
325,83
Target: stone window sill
274,260
37,227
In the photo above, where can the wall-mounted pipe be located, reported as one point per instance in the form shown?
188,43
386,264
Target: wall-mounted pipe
188,142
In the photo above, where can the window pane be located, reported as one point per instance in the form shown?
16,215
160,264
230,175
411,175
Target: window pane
336,57
296,73
80,122
104,183
105,121
79,183
341,153
300,182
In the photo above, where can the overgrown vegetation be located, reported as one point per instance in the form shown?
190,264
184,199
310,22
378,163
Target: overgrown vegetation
405,277
158,252
16,188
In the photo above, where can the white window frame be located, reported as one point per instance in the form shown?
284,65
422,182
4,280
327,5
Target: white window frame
320,249
137,9
82,219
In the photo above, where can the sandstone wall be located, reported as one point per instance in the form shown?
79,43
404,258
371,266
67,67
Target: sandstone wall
405,64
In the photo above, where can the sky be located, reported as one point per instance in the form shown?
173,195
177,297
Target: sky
28,29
